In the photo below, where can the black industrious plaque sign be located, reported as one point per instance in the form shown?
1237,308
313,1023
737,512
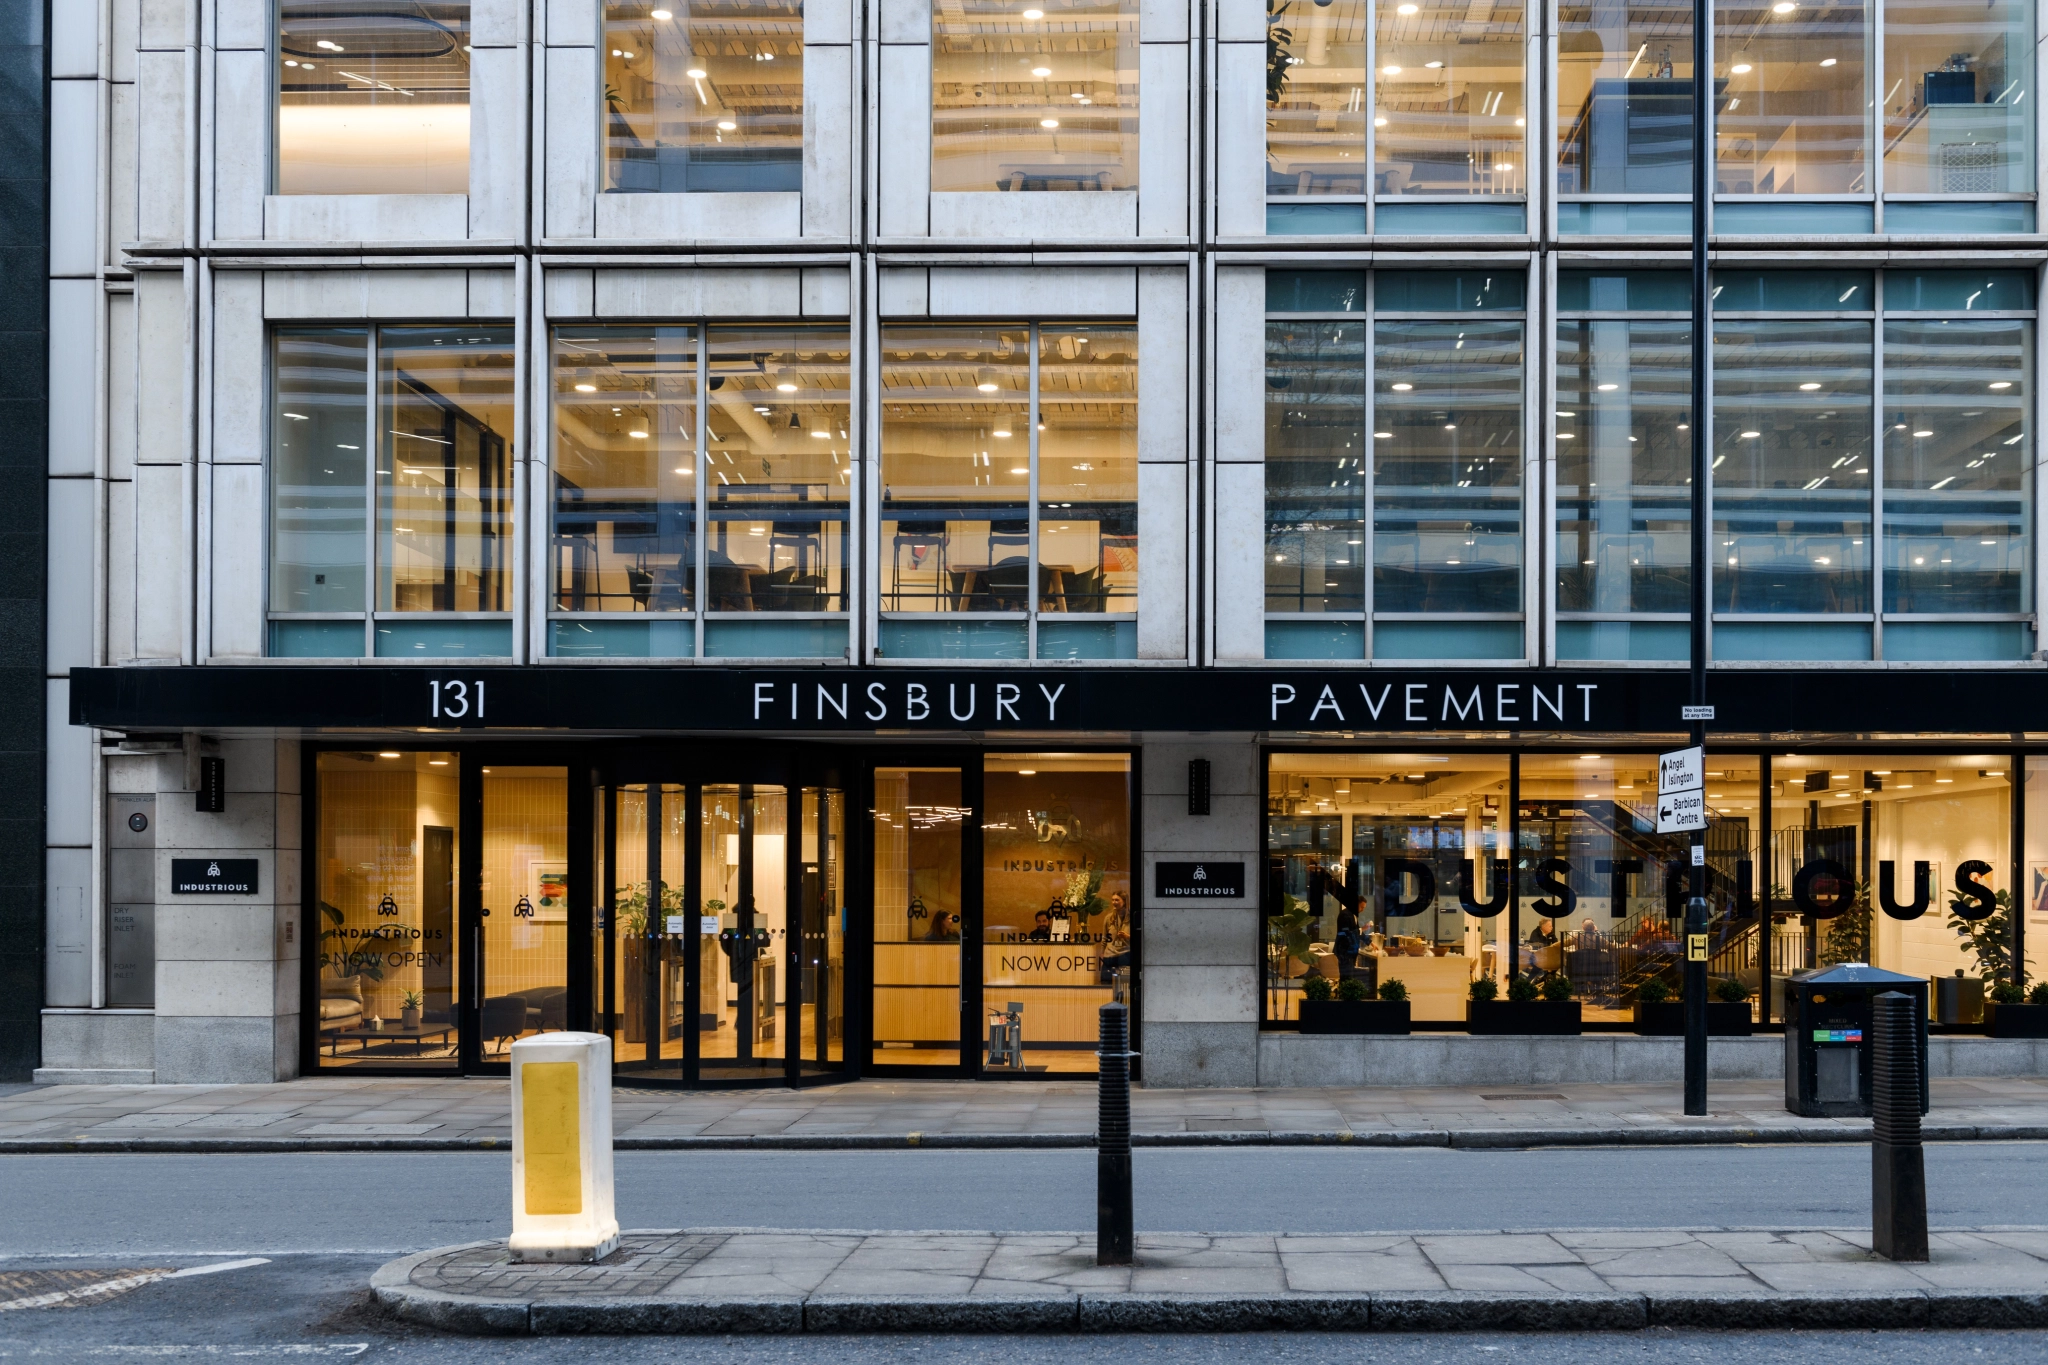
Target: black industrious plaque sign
213,876
1198,881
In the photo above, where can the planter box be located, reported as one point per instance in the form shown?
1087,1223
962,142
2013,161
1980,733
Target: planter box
1666,1019
1531,1016
2016,1021
1354,1016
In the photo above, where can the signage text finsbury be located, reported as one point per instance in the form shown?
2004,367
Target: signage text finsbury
878,702
1435,703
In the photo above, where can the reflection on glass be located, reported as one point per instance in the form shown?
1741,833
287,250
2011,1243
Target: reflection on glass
444,476
745,852
1447,498
526,890
1057,917
1339,828
1793,104
918,820
625,469
1447,100
384,864
1087,468
1957,76
1315,97
821,859
372,97
703,95
778,468
1791,466
1032,99
1624,451
1315,466
1624,98
1955,452
319,490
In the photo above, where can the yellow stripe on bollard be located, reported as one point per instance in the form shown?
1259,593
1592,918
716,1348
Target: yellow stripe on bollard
554,1169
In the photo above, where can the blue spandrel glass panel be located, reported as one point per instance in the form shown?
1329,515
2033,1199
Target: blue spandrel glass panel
1059,639
1957,641
1791,641
428,639
1450,291
1965,291
775,639
1315,639
1447,640
1791,291
1451,220
1315,220
1624,220
954,640
1619,291
1315,291
1624,641
2008,215
1798,218
622,639
316,639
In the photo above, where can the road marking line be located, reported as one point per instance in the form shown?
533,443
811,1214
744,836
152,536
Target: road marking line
121,1285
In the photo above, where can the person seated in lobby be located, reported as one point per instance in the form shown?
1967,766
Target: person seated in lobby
1588,936
1041,927
945,927
1541,939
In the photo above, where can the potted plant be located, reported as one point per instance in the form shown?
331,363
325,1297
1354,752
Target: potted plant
2014,1014
1660,1016
409,1009
1353,1010
1555,1012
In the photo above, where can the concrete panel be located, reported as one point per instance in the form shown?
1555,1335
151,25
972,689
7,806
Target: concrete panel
493,294
828,292
1241,139
1301,1060
251,765
906,21
1451,1059
1202,935
217,1050
239,370
241,143
74,41
1233,822
241,23
1164,137
163,594
690,293
67,773
120,386
904,293
249,822
120,571
240,560
1233,771
1212,994
169,23
74,176
123,224
99,1040
316,295
570,23
1164,397
1240,313
288,785
830,124
366,217
1163,21
206,986
420,294
74,512
161,160
1968,1056
74,397
67,960
569,156
1181,1055
1109,216
284,1046
1163,558
569,294
903,161
826,22
496,23
497,142
1107,291
746,218
1241,21
191,930
163,349
1240,568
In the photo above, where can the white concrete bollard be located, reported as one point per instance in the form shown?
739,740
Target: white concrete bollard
562,1148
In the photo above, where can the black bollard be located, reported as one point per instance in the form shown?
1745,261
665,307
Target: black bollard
1113,1139
1898,1163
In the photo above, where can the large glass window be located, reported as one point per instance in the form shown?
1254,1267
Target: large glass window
919,821
1624,458
429,576
1448,115
1026,99
1794,116
1315,98
372,97
703,95
746,493
1316,451
1009,491
1624,98
1956,79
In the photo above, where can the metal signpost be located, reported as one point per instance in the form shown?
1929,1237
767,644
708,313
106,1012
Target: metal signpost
1697,713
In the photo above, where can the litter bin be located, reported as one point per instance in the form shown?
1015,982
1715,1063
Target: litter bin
1828,1037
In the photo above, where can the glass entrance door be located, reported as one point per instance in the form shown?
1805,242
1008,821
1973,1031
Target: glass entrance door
920,824
525,913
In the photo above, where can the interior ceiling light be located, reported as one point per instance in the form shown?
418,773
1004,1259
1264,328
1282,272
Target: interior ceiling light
1034,14
388,754
1607,388
1402,388
1783,7
985,380
1433,66
695,73
1740,69
785,387
637,435
1048,123
586,388
1923,433
1827,61
663,15
1408,9
726,125
2002,384
1390,71
1041,71
1808,388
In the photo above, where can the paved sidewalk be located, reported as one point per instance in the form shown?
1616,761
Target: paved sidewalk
344,1113
716,1280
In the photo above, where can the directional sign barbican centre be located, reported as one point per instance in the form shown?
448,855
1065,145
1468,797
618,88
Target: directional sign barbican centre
1681,790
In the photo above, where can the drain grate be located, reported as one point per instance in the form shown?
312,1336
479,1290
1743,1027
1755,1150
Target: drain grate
1521,1097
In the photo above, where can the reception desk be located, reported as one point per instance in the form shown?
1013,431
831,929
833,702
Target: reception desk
917,993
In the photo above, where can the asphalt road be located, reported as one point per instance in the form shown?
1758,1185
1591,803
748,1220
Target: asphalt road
397,1202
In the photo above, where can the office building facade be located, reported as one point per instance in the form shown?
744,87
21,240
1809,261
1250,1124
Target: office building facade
829,539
